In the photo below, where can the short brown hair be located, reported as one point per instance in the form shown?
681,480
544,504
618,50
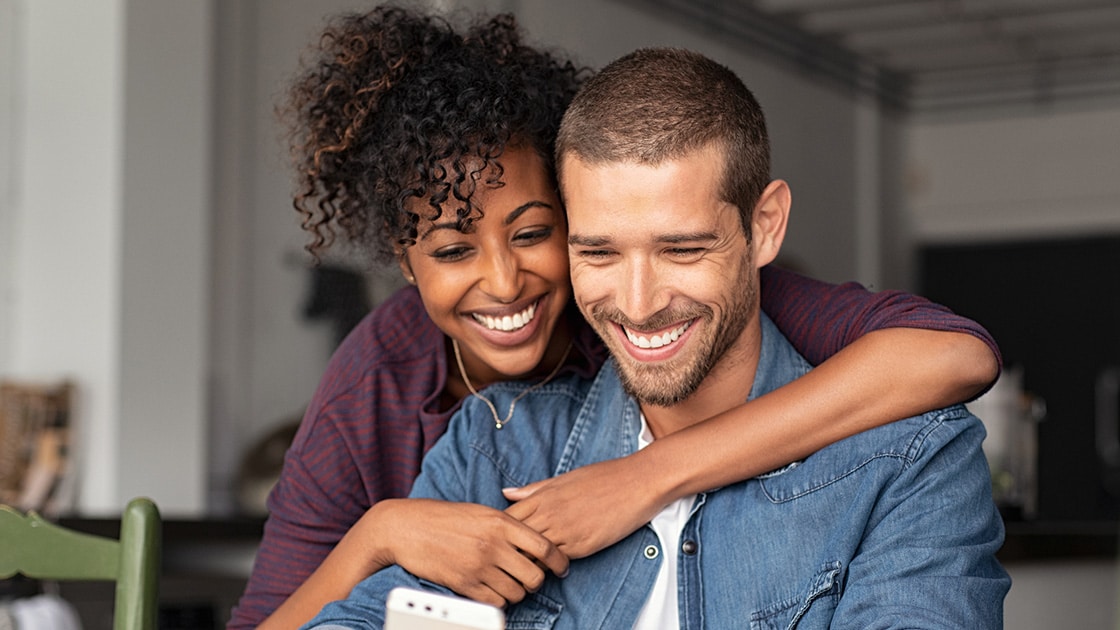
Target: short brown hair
658,104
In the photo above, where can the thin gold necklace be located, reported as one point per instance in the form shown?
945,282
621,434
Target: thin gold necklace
499,423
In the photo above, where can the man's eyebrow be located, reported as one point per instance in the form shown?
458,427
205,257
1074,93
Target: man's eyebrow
588,241
683,237
687,237
510,218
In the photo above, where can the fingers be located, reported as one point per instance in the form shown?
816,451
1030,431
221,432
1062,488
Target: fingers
522,509
509,576
540,549
511,559
518,494
498,588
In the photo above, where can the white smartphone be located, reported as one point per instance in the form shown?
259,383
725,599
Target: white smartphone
410,609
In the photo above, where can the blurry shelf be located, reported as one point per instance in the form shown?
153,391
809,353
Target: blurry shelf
1029,541
207,546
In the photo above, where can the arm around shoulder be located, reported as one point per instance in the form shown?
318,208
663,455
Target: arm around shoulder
928,559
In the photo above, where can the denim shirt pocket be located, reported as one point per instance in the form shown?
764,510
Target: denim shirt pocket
535,612
815,608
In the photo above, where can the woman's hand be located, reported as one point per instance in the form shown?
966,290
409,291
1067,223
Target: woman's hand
590,508
477,551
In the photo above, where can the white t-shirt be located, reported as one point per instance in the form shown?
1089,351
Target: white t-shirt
661,611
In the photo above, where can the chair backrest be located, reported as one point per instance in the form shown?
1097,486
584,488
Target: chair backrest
39,549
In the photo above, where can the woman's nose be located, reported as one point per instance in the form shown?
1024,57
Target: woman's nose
502,278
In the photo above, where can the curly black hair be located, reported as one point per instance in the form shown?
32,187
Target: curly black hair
398,105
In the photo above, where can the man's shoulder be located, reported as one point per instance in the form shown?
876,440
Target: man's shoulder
917,436
892,447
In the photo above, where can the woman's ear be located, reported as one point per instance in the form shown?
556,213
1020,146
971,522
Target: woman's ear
768,224
406,267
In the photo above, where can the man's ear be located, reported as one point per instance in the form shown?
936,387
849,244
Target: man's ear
768,225
406,267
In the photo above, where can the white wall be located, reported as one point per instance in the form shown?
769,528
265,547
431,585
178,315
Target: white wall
108,257
1023,175
67,245
9,119
165,210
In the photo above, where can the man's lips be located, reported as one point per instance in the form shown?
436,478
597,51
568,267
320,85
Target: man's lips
646,340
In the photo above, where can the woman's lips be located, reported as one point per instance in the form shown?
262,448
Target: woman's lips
507,323
512,328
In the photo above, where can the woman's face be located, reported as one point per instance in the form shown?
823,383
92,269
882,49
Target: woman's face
500,289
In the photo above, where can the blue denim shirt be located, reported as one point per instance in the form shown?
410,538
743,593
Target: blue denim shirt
891,528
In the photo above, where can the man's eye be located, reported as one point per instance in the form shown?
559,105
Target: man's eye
595,254
686,252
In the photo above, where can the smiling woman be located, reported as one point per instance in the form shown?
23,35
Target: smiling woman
500,287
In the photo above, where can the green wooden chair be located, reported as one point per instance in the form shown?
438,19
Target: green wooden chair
39,549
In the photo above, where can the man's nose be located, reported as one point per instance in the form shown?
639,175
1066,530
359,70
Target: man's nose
640,291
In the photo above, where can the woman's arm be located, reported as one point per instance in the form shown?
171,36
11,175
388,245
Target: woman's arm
474,550
820,318
887,372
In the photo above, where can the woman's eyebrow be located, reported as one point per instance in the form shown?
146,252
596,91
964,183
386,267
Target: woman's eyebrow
435,227
510,218
523,208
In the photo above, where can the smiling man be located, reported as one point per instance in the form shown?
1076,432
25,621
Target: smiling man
664,169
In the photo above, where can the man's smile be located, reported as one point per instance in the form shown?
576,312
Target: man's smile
649,340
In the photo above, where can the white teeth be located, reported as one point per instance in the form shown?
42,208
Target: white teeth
658,340
507,323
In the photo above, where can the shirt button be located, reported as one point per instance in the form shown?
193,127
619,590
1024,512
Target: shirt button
689,547
651,552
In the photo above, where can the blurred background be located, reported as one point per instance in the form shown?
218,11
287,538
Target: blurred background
151,263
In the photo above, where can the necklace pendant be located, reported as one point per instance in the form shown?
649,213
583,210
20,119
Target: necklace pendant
498,426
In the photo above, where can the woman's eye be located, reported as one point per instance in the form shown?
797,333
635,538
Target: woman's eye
532,236
450,254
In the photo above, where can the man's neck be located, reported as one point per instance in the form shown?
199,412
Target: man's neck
727,386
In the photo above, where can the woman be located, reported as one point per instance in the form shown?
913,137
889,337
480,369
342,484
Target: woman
434,148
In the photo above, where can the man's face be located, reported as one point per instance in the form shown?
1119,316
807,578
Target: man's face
661,268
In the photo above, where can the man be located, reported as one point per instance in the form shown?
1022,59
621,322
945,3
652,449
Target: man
664,168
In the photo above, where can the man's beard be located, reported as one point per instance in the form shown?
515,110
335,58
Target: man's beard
668,383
